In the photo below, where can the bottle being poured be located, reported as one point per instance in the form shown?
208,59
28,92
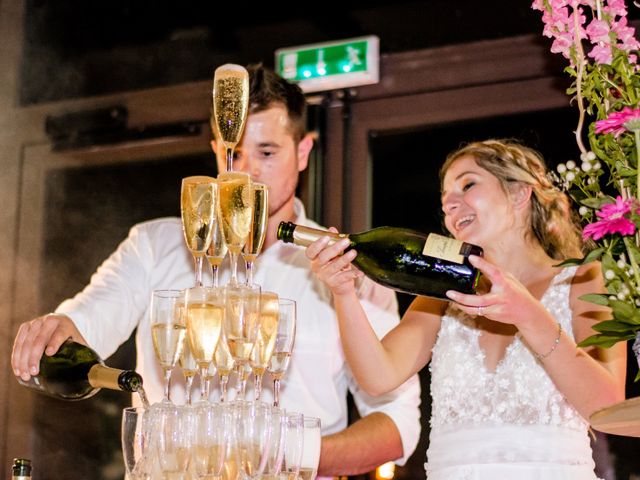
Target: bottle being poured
76,372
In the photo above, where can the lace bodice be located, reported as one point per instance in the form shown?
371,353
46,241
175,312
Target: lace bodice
519,392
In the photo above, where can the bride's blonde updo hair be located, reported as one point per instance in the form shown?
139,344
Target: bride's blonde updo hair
552,221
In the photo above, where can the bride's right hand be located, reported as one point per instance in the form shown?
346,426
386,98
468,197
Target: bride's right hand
332,265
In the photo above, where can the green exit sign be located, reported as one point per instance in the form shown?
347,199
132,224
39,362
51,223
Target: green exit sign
331,65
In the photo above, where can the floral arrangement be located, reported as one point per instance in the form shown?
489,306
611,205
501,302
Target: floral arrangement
600,46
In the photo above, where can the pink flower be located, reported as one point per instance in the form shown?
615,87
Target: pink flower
615,123
612,220
598,31
616,7
602,54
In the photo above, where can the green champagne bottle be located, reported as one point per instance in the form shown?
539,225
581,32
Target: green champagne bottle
401,259
21,469
76,372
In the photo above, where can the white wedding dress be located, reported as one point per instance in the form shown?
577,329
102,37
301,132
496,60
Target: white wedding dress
511,424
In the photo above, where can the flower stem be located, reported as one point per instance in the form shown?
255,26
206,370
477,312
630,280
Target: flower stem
579,78
632,260
636,136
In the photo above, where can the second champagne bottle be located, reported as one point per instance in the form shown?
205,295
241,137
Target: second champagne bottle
402,259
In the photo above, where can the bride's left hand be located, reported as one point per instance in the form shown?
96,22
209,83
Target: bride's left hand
508,300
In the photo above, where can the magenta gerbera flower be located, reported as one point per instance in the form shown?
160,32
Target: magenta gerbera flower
613,219
615,123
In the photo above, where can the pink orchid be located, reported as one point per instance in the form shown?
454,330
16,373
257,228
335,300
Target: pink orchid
615,123
613,219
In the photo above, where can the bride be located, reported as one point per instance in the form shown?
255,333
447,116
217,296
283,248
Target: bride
511,390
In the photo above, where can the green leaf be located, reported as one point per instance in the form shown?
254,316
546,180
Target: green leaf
622,311
604,341
596,203
597,298
592,256
611,326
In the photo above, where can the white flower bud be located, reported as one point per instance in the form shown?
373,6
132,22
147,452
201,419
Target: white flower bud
583,210
586,166
591,156
637,302
621,264
612,297
571,164
626,290
561,168
590,181
583,156
621,296
609,275
571,176
597,165
630,272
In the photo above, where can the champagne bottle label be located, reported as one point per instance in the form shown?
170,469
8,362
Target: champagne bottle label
443,247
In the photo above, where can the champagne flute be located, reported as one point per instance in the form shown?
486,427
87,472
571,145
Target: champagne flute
285,338
311,448
205,314
252,437
236,214
265,340
224,363
255,240
217,250
168,331
136,436
174,440
189,368
210,441
198,199
294,443
241,323
230,106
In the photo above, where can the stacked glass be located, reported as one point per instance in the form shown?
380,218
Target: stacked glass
213,330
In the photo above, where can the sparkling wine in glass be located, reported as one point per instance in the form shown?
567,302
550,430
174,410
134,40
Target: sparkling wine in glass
198,198
205,315
230,106
168,331
217,251
265,340
236,214
285,338
241,323
254,243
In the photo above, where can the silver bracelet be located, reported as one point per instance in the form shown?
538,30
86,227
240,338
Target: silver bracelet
553,347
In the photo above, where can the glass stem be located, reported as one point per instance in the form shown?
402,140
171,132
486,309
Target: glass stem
204,382
242,381
167,385
257,379
276,392
229,159
224,380
249,265
189,380
199,263
214,269
234,268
